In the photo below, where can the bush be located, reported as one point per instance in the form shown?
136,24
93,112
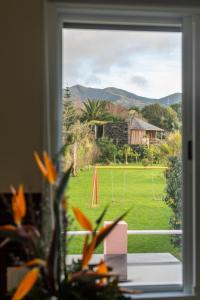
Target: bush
152,153
82,149
108,151
145,162
173,195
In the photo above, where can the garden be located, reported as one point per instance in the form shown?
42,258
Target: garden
140,189
143,177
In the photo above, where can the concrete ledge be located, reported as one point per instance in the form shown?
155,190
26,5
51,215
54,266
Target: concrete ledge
146,268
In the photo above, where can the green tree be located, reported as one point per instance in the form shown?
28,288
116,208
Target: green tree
69,112
178,109
94,110
163,117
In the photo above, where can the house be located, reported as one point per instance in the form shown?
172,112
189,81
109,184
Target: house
133,132
141,132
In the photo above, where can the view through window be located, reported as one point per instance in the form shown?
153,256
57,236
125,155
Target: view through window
122,94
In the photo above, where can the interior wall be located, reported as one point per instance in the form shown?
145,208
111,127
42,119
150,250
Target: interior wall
21,92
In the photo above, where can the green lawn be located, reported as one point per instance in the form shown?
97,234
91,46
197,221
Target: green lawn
141,189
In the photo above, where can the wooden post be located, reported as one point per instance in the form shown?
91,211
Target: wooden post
94,188
96,183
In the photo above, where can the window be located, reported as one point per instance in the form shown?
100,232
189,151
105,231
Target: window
141,19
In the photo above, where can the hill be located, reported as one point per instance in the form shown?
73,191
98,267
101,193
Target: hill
118,96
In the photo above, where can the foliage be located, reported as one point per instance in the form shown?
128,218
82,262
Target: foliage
69,113
117,112
49,277
173,196
82,150
94,110
178,109
126,151
145,162
108,150
171,146
163,117
102,110
152,153
135,108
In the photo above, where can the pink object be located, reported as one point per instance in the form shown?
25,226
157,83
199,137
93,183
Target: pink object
116,242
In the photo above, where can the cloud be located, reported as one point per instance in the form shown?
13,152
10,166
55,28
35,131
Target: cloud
139,80
103,58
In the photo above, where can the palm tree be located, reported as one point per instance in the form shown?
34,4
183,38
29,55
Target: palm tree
94,110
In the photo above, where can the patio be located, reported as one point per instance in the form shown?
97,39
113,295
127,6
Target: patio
142,268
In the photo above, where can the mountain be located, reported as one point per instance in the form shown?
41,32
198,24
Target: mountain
118,96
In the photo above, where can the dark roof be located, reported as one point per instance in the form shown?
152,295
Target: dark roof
139,124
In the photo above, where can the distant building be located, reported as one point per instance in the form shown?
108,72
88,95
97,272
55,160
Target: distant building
133,132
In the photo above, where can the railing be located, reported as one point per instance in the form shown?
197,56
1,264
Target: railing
134,232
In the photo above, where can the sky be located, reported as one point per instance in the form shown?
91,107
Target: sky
145,63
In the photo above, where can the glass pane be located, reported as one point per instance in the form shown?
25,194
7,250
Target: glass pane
122,99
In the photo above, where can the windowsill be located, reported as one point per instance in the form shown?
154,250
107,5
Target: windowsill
165,295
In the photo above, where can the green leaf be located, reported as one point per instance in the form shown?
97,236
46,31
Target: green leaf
100,218
63,185
52,262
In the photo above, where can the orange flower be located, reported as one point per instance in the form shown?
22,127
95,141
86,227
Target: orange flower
47,168
26,284
102,268
82,219
18,205
8,228
34,262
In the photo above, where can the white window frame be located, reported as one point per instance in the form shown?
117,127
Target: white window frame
56,14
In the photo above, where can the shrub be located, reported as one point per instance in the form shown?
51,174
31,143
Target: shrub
173,195
82,150
108,150
153,154
145,162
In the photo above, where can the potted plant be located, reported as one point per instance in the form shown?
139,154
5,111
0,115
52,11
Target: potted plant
49,277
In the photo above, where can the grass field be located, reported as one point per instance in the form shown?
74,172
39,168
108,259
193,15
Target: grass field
142,189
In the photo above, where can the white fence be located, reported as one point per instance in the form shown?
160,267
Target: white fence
134,232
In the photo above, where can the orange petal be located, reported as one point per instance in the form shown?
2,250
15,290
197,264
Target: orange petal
40,164
82,219
34,262
88,254
21,201
26,284
19,205
16,210
8,227
102,268
51,170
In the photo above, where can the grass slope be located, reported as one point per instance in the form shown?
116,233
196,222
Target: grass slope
141,189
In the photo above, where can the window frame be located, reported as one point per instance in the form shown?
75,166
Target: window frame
130,17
